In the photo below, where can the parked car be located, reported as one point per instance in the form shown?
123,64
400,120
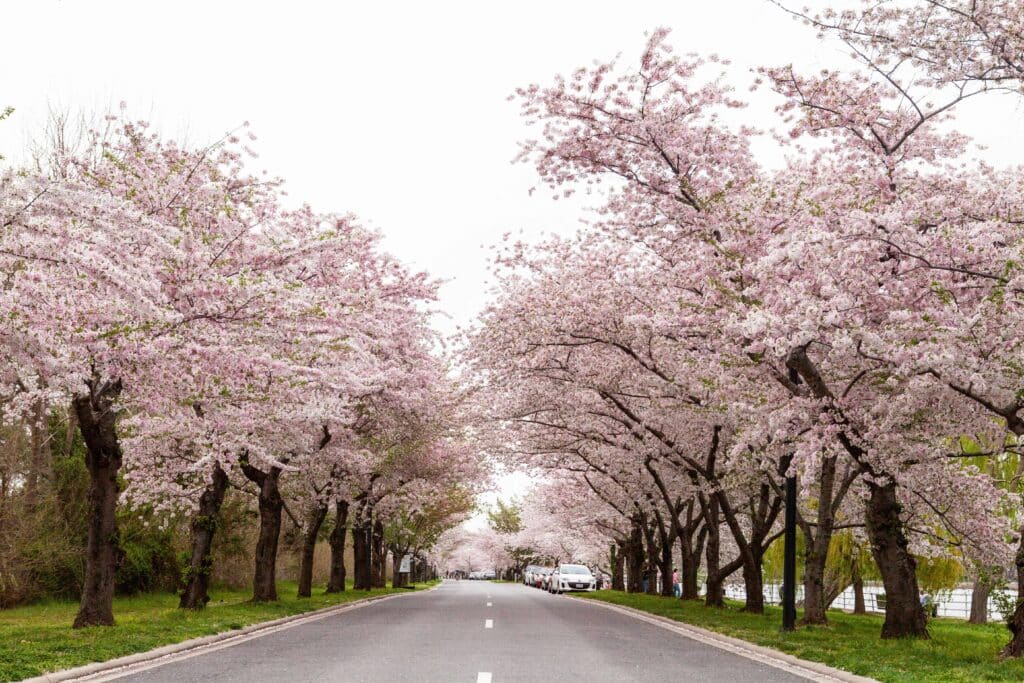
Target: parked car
571,577
528,574
488,574
543,574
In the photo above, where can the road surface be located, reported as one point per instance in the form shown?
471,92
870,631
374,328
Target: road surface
470,631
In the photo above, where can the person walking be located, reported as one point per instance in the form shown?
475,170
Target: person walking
677,590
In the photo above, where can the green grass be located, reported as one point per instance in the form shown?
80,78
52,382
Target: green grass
957,651
38,638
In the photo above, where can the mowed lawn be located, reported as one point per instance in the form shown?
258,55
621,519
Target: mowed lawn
957,651
38,638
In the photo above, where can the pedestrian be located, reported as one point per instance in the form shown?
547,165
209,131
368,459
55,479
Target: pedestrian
645,573
677,590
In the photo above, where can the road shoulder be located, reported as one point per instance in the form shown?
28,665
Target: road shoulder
814,671
188,648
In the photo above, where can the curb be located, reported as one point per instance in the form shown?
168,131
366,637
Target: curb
814,671
88,671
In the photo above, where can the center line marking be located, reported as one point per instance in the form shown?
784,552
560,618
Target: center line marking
488,604
483,677
489,623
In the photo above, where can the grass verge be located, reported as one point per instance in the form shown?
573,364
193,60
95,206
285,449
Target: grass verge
38,638
957,651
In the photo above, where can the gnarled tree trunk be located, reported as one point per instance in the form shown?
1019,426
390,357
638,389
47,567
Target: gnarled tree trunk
336,581
361,555
314,521
904,615
715,596
97,420
264,583
196,594
691,547
1015,648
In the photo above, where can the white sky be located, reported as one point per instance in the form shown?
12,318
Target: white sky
394,111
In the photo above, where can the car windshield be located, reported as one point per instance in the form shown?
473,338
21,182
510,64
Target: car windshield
573,569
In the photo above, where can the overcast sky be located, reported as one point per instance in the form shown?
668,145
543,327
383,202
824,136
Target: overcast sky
396,112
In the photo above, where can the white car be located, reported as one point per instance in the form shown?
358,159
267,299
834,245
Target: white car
528,574
571,577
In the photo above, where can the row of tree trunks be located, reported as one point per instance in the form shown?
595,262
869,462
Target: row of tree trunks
195,593
336,578
904,614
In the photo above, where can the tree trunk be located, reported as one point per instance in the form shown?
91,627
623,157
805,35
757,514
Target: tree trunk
313,524
264,584
858,595
336,582
979,600
715,596
361,555
97,421
379,556
814,583
818,539
665,567
753,582
398,579
1015,648
618,567
634,550
904,615
690,556
195,594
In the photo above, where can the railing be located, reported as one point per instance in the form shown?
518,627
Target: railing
954,603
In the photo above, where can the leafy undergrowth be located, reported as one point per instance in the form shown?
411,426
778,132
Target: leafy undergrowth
957,651
38,638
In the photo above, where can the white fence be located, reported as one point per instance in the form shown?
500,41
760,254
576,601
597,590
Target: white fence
954,603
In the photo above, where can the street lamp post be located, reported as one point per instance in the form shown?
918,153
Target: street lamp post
789,548
789,544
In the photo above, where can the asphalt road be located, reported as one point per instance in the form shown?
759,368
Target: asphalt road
469,631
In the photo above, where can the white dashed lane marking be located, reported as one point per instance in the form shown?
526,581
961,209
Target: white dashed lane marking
489,623
483,677
488,604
